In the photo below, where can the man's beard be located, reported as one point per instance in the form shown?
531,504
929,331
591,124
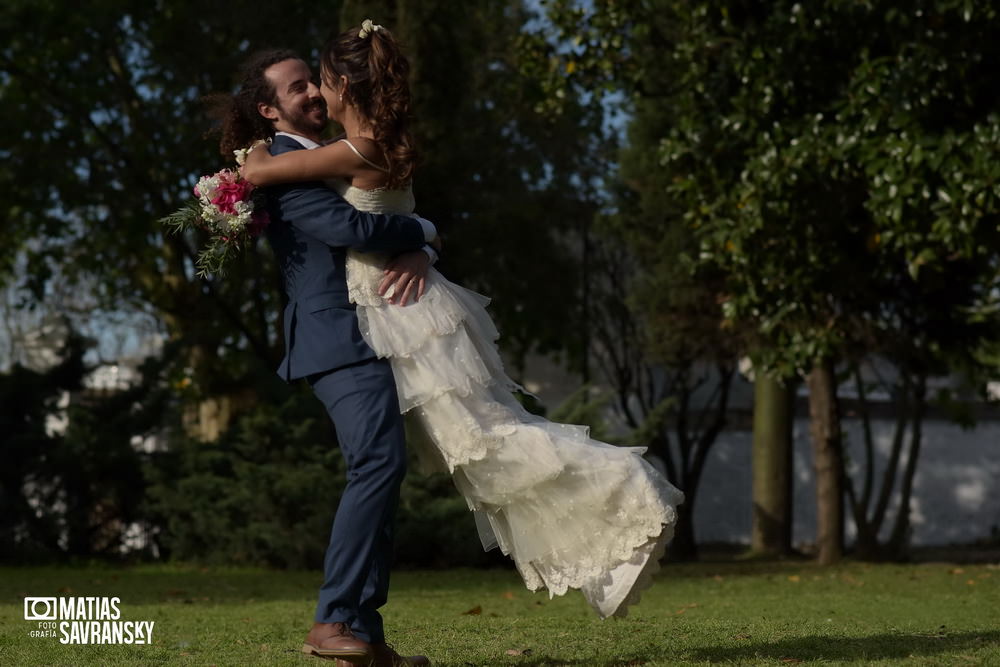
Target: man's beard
304,120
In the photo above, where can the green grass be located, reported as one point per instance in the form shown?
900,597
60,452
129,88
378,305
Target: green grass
736,613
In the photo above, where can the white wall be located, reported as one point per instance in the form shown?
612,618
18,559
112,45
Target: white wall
956,489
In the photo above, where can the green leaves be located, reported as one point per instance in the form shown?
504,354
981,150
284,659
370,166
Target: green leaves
847,181
182,219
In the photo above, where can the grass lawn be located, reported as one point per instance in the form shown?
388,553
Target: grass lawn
736,613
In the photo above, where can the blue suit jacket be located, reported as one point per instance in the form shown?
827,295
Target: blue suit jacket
311,229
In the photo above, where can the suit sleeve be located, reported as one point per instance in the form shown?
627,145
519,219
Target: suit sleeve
324,215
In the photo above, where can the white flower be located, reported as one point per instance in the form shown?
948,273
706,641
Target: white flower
207,186
241,155
367,28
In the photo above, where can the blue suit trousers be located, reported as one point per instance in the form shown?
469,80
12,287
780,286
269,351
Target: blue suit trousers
362,402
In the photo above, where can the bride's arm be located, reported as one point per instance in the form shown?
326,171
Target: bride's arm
335,160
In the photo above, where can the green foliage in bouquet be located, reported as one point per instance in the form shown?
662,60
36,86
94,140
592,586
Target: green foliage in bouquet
230,209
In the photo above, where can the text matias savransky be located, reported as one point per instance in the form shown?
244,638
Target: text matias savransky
85,620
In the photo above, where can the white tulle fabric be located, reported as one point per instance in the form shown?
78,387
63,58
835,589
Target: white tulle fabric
572,512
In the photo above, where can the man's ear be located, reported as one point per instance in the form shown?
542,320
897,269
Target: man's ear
267,111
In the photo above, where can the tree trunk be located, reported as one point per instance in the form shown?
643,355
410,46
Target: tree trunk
773,415
683,547
824,429
899,539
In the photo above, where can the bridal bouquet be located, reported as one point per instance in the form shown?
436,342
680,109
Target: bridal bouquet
230,209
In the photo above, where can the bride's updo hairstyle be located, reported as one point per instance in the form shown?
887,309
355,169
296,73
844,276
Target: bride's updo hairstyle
376,71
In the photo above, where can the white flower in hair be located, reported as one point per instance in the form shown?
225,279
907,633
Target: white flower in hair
367,28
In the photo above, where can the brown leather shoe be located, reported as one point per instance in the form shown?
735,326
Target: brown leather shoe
335,640
389,658
386,656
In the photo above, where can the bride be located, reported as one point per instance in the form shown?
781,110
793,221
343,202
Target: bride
570,511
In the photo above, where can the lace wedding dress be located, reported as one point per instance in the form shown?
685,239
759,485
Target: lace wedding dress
572,512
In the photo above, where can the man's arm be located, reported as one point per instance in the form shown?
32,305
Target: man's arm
327,217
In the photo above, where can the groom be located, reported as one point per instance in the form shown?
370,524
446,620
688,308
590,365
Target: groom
310,231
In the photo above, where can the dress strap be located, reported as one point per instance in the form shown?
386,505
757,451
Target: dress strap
358,153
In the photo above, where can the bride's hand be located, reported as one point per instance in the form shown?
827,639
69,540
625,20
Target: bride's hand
406,274
256,160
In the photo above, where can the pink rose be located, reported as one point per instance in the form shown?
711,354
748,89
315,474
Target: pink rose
229,193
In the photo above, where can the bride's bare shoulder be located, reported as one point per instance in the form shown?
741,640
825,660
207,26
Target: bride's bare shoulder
367,150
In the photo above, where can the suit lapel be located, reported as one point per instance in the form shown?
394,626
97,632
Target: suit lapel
283,144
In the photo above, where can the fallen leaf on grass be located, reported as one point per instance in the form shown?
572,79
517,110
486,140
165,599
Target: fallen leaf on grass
518,651
957,570
475,611
794,578
791,660
742,635
719,578
971,582
507,595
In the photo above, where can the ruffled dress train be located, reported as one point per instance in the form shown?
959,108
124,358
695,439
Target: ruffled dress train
572,512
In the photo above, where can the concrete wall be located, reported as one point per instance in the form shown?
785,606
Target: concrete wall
956,489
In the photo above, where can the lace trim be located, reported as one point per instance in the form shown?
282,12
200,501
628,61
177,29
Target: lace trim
652,524
645,579
450,374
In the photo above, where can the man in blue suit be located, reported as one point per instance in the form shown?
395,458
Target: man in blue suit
310,231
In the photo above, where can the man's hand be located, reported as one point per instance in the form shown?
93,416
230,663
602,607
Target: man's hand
406,274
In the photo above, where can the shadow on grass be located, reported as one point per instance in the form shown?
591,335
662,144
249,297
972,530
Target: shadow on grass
875,647
801,649
549,661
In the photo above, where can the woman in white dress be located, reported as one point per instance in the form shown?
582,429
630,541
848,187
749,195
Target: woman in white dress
570,511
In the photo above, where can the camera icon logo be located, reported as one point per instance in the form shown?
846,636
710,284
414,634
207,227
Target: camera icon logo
40,609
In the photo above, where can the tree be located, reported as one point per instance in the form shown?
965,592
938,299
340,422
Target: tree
773,447
110,137
837,165
663,352
827,234
72,482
